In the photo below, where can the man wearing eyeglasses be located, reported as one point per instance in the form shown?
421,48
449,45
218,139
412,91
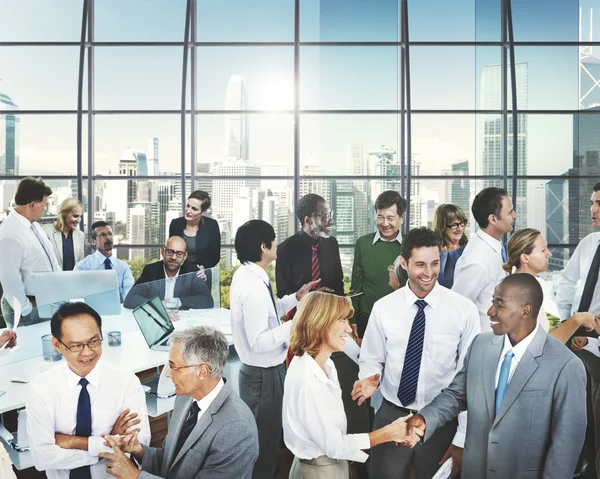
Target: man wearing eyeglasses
173,280
72,404
101,235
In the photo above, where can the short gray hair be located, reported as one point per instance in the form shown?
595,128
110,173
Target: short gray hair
203,345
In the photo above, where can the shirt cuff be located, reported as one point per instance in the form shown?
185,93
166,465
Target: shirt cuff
592,346
459,439
96,446
362,441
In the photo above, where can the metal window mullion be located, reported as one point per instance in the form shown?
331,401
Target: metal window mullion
193,105
504,94
90,116
515,116
296,106
408,129
401,137
188,12
84,22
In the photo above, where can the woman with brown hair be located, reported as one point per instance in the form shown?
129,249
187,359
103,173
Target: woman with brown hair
449,222
68,241
528,252
314,423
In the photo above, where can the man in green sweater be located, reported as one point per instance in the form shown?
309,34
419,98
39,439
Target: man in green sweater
373,254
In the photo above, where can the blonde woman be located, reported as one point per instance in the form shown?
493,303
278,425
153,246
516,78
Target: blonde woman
68,241
314,423
449,222
528,252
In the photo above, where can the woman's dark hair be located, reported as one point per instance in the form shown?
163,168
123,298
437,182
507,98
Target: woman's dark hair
201,196
249,238
70,310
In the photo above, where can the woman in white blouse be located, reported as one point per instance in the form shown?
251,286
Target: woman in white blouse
314,423
528,252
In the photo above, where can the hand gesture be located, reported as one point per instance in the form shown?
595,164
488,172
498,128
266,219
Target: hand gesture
399,432
416,422
8,337
304,290
364,388
128,443
579,342
355,333
117,463
587,320
456,453
124,422
200,273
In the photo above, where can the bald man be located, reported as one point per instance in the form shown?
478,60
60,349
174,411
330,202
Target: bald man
523,390
174,278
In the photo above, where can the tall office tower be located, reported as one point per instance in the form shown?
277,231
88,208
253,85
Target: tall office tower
356,167
142,163
236,124
165,191
9,137
128,166
557,220
282,204
312,167
242,208
142,228
203,180
460,191
418,205
382,162
537,202
493,162
152,157
589,62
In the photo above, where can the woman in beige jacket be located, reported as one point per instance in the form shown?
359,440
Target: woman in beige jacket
68,241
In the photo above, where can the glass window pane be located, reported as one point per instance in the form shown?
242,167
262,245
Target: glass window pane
31,78
345,21
28,21
145,145
349,78
549,144
138,78
139,20
552,20
262,144
245,78
354,144
452,21
243,21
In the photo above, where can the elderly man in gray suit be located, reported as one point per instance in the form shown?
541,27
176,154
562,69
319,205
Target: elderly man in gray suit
523,390
212,433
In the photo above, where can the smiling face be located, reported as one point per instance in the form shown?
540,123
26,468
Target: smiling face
423,268
78,330
73,218
337,335
174,253
320,223
507,315
389,222
595,208
453,236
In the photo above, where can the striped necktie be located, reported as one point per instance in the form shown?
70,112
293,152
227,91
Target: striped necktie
407,391
316,269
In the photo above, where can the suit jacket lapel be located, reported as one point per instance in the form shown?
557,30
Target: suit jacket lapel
179,417
524,371
490,363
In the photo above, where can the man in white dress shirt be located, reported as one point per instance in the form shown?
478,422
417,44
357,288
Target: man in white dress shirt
479,269
102,237
260,339
72,404
25,248
422,333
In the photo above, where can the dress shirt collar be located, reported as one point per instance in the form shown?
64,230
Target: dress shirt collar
167,276
315,369
207,400
378,237
93,377
432,298
309,240
493,242
257,270
101,258
21,219
519,348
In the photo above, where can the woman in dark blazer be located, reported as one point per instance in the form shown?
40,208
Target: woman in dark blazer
201,233
449,222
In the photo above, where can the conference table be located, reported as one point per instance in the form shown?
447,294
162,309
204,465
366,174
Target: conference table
27,361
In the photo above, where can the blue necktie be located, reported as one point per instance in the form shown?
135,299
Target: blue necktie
107,264
407,391
503,378
504,257
83,428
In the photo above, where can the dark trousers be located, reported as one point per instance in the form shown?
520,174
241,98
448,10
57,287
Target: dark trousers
262,390
389,461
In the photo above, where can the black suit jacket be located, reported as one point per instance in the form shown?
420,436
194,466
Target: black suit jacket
208,240
294,264
189,288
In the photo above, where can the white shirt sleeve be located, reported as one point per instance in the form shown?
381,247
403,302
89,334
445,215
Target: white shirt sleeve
128,282
256,312
40,429
10,273
311,407
372,351
567,284
469,281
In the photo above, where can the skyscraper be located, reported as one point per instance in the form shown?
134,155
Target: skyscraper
128,166
9,137
236,124
460,192
152,156
557,222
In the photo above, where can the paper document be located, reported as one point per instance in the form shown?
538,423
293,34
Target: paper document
444,471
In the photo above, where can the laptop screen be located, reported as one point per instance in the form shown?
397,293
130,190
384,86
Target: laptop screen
153,320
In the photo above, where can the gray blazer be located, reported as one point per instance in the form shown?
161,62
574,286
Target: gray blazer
55,238
540,427
224,443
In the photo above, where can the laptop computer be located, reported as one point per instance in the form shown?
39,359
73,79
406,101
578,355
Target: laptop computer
155,324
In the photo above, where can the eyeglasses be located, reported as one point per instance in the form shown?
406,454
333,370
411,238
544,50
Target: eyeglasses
391,268
454,226
326,215
182,367
171,252
104,235
76,348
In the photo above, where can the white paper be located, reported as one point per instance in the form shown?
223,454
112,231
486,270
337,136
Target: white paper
444,471
17,312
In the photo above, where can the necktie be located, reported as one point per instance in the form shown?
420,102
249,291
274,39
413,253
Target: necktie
590,283
407,391
503,378
107,264
504,256
83,428
44,247
316,270
273,300
188,426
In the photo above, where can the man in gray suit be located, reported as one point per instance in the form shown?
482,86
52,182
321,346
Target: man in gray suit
523,390
212,433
